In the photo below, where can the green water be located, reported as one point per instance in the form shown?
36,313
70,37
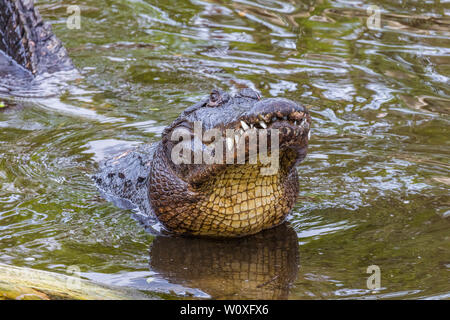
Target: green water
375,184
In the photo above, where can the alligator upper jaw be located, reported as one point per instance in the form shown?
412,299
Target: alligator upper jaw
290,121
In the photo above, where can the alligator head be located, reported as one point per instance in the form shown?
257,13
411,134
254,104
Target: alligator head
233,191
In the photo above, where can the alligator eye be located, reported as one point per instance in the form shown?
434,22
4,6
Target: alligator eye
217,98
214,96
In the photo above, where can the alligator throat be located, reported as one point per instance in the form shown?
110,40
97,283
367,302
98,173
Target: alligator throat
236,202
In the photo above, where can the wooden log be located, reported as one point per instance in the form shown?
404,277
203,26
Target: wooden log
30,284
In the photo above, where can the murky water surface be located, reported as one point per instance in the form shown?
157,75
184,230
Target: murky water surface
374,187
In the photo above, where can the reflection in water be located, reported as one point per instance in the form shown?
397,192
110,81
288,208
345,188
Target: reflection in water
262,266
11,72
374,187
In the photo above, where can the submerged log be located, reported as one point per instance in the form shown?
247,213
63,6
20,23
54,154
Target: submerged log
29,284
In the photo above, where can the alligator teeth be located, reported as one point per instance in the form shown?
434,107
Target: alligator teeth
309,134
263,124
244,125
295,122
229,143
241,132
236,139
251,126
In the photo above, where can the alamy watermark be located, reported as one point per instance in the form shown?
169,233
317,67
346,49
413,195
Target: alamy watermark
374,19
74,19
74,281
374,280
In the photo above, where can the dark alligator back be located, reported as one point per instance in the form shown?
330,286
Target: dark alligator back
123,180
30,41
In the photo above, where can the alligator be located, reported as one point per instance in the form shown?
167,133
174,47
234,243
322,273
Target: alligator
216,199
29,41
229,198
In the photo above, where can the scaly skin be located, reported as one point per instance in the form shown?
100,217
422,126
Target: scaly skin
215,200
238,201
30,41
262,266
